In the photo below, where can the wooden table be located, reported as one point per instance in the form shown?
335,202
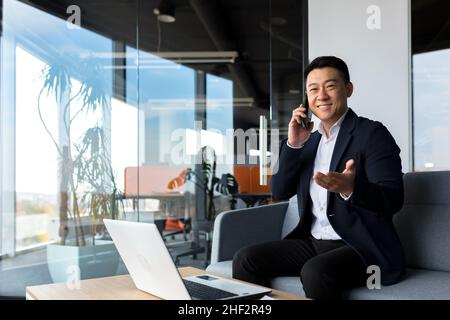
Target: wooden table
115,288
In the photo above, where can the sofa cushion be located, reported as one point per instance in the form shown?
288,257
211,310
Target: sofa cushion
424,221
418,285
289,284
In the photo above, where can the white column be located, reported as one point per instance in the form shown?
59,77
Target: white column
373,38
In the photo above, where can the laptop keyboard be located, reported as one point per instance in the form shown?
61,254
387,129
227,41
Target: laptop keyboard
203,292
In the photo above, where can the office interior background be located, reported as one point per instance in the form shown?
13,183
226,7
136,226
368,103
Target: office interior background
106,107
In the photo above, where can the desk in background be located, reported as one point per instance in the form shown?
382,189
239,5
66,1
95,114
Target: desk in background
250,191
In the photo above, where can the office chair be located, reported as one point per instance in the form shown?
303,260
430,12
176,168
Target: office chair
196,245
172,226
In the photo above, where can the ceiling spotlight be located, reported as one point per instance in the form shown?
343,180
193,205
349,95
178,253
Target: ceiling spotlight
165,12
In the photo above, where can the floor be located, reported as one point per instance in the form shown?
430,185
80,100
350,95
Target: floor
32,269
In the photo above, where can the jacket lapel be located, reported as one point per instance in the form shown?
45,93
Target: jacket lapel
343,139
308,172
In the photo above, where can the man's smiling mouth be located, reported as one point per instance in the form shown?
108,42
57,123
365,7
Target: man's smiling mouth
324,106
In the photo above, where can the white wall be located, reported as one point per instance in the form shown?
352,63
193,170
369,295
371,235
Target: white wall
373,38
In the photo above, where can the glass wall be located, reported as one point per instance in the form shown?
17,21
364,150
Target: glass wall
110,110
67,133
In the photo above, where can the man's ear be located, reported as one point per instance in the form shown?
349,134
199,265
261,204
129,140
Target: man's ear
349,89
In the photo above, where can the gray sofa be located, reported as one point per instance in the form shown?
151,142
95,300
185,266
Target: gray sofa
423,225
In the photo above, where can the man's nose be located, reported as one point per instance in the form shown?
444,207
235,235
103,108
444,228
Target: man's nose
323,94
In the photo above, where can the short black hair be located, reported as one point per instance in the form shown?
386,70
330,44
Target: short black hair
329,61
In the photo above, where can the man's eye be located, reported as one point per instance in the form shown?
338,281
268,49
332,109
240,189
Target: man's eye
313,90
331,86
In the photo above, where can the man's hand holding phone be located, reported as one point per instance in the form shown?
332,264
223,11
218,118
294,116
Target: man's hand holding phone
300,127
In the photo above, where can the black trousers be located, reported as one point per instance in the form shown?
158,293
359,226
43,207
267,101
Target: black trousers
325,267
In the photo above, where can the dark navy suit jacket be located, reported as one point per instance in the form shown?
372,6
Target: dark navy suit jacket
364,222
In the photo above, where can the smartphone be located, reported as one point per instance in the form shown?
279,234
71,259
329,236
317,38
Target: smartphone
305,121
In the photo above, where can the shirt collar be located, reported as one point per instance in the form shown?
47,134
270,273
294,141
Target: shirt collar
334,128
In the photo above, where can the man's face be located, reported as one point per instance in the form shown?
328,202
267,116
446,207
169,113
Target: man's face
327,94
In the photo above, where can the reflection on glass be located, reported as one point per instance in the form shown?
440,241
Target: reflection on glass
167,100
166,105
72,142
219,119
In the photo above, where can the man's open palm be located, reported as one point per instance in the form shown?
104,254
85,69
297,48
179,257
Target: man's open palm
338,182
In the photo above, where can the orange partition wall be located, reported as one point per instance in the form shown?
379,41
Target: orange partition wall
247,177
152,179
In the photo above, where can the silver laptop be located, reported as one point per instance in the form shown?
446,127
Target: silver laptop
152,269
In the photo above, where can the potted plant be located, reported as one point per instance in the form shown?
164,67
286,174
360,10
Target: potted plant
212,187
87,185
210,183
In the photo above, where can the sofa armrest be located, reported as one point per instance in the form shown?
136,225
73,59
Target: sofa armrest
239,228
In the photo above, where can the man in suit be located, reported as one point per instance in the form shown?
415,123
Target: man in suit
348,181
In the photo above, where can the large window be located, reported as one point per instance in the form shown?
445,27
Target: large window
432,110
36,179
66,139
58,104
431,85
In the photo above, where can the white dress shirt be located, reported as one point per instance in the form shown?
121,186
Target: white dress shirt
321,227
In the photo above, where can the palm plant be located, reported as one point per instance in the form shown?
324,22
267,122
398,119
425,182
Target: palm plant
86,179
209,182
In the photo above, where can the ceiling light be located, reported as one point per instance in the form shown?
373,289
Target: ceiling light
166,58
197,56
165,12
190,104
